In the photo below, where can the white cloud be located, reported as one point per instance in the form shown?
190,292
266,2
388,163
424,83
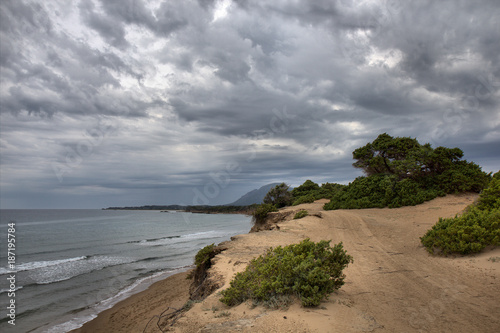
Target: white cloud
221,9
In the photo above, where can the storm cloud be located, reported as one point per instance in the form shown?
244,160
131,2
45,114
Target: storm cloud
114,103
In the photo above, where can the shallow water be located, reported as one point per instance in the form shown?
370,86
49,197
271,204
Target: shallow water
71,264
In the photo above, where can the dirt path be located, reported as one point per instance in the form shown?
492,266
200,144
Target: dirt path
397,284
394,285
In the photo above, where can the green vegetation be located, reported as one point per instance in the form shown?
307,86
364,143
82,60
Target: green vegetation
476,228
260,214
379,191
310,192
402,172
308,270
308,198
300,214
279,196
201,287
309,187
204,255
490,198
202,261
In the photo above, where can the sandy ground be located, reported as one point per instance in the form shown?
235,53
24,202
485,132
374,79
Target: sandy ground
394,285
137,313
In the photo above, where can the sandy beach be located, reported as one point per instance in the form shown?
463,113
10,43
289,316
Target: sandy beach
394,285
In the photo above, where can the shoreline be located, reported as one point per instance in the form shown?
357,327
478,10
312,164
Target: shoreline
172,291
69,323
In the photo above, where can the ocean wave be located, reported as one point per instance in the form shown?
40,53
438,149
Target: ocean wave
72,324
134,287
178,238
70,269
202,234
137,286
47,253
9,290
150,259
40,264
153,239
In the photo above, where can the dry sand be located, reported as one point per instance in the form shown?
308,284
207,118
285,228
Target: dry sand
394,285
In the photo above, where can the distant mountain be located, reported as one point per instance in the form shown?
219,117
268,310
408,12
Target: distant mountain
253,197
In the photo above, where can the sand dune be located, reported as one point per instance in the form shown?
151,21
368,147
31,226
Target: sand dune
394,285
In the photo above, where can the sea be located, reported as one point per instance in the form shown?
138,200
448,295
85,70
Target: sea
69,265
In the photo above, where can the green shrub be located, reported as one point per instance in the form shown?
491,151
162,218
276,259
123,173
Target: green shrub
328,190
308,270
310,192
408,192
363,192
472,231
300,214
462,176
204,255
260,214
465,234
202,261
308,198
378,191
490,197
307,188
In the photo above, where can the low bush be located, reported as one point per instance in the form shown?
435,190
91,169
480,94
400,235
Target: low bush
476,228
308,270
201,286
307,188
310,192
490,197
408,192
202,262
204,255
463,176
328,190
378,191
300,214
260,213
465,234
308,198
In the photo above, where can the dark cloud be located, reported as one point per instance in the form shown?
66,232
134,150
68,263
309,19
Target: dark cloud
111,30
284,90
129,12
19,17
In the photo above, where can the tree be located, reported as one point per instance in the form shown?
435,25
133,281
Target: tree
279,196
389,155
405,157
401,172
304,189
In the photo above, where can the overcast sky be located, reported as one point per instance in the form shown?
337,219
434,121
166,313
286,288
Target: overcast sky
134,102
